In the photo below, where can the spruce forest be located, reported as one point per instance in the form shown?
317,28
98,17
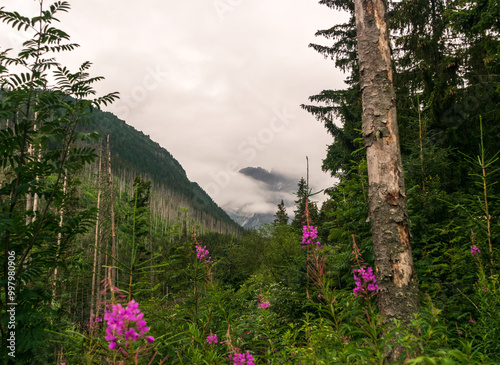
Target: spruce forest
110,255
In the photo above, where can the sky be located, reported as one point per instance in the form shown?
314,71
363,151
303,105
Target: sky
218,83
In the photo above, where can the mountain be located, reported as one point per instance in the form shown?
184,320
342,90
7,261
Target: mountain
134,154
275,187
250,220
274,180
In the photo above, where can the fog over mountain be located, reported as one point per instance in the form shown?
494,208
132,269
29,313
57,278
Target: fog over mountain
271,187
219,87
276,181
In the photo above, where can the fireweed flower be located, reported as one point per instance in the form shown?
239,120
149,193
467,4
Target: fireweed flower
93,324
474,250
212,339
263,305
242,359
309,235
202,253
364,279
120,324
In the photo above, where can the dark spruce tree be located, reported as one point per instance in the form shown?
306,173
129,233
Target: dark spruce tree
340,110
301,204
281,217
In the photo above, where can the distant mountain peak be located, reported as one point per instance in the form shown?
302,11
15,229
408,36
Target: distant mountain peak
258,173
275,180
275,187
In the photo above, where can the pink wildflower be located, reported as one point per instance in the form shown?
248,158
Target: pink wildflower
263,305
202,253
309,235
242,359
119,321
365,280
212,339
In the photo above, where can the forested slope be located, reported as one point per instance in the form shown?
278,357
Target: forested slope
135,154
102,268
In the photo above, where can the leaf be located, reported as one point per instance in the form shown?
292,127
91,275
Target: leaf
15,19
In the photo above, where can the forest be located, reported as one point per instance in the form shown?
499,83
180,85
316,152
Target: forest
105,260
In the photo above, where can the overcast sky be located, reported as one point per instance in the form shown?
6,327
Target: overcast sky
218,83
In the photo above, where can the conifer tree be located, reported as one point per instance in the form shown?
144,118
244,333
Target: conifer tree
281,217
303,194
340,110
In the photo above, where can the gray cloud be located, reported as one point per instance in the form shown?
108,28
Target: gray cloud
206,79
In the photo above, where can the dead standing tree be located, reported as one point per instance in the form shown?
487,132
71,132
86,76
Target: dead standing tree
398,296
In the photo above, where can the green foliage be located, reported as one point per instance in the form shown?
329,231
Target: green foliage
281,217
133,151
46,153
303,193
41,152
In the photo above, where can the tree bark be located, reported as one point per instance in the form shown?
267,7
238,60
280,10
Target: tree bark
397,281
95,280
59,238
114,251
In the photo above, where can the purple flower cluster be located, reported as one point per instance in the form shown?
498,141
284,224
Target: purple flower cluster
474,250
94,322
212,339
309,235
202,253
263,305
119,322
242,359
364,278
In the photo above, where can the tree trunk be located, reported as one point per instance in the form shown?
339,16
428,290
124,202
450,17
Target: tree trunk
398,294
59,238
32,201
152,274
114,252
95,279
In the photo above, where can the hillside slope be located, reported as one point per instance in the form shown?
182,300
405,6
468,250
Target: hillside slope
134,154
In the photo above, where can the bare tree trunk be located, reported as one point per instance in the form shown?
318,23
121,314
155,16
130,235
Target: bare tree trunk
29,203
398,295
112,207
421,138
32,201
35,197
59,238
152,274
95,282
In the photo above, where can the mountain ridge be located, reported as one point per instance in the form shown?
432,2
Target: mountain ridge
277,186
135,154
